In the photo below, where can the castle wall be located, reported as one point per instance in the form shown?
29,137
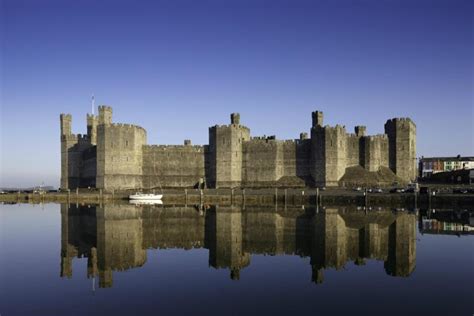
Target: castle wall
296,158
88,169
262,161
267,160
353,150
173,166
375,152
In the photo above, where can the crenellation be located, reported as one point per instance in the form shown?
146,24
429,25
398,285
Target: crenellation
117,156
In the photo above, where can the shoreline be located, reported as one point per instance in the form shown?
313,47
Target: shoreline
308,196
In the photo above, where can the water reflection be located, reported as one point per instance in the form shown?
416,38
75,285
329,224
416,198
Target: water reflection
116,237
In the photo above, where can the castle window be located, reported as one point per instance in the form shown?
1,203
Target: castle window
126,143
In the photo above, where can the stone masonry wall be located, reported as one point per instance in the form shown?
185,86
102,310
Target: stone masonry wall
173,166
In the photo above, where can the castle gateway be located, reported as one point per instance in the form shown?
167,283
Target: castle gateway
117,156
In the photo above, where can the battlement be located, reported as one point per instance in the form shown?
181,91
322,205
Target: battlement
78,138
400,121
233,126
264,138
127,126
105,108
337,128
65,116
377,137
195,148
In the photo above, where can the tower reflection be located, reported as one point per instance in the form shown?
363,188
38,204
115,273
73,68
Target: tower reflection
115,237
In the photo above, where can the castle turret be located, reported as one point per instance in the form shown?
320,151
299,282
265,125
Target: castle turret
225,150
69,176
402,147
65,121
360,130
92,121
317,118
105,115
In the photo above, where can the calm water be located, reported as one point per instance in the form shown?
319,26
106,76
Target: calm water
124,260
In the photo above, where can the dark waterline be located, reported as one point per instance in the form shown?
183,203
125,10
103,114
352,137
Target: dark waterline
124,260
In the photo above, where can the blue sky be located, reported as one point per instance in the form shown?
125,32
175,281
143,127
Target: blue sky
178,67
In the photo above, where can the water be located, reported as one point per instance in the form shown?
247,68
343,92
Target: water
126,260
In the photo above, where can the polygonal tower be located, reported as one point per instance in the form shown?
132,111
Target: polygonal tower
119,153
401,134
225,153
328,152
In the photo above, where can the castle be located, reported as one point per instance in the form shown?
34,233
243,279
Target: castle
115,156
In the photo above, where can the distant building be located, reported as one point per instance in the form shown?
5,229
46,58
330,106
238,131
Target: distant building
432,165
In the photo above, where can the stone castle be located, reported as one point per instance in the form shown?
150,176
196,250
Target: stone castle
115,156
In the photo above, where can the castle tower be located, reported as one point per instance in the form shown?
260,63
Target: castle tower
402,147
225,150
318,154
105,115
69,154
119,153
92,121
328,152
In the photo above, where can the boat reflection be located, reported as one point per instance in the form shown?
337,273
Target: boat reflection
116,237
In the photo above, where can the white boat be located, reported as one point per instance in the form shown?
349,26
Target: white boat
145,197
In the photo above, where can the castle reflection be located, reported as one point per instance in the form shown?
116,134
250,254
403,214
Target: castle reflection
116,237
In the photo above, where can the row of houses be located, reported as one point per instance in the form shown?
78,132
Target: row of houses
432,165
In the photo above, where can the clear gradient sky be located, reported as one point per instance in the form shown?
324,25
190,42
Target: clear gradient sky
178,67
